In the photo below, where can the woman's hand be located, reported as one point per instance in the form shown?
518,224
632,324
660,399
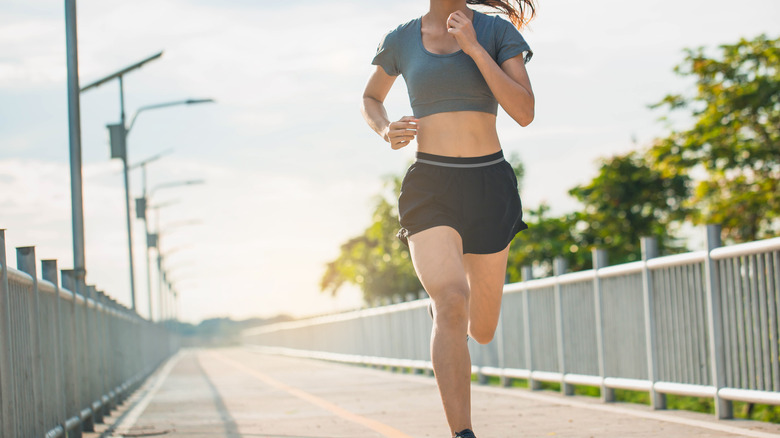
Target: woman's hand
459,26
400,133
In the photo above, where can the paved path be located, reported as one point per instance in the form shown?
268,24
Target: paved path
238,392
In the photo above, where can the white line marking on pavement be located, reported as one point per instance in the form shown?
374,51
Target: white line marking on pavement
128,420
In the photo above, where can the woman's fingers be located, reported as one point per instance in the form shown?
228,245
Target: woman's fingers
402,132
458,18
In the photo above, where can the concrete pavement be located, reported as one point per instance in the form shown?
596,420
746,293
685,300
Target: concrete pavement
239,392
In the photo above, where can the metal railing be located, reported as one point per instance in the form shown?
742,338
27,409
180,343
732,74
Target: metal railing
66,360
700,324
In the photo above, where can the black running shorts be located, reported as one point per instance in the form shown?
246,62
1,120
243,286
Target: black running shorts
477,196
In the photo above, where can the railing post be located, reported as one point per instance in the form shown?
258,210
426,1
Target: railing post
72,384
94,365
104,373
25,261
49,273
95,416
528,274
559,268
649,248
8,415
600,261
500,345
723,408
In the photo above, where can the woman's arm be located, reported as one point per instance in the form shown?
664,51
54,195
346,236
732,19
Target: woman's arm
398,133
509,82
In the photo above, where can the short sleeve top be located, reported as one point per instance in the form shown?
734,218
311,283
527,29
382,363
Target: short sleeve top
448,82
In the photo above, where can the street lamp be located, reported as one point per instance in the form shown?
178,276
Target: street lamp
140,211
118,149
153,240
164,105
164,272
118,139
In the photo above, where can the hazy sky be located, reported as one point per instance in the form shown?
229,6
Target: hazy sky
291,168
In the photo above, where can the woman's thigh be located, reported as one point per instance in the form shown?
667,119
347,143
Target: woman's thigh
485,274
437,255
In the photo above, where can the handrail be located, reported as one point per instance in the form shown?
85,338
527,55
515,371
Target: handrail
59,369
685,326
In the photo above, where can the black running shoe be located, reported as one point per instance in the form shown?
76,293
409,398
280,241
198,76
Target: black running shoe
465,433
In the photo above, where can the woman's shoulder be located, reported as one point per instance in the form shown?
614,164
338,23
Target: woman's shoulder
494,23
403,30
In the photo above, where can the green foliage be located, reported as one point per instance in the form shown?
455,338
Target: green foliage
688,403
628,396
546,238
757,412
735,140
626,201
375,261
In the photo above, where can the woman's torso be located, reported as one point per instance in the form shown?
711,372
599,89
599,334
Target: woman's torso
458,134
454,133
449,95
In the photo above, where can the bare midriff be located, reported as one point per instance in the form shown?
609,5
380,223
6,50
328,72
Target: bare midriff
458,134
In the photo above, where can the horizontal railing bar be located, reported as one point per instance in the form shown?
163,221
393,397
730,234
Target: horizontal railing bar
48,287
490,371
516,373
581,379
539,283
546,376
56,432
748,248
16,275
339,317
750,396
685,389
624,269
73,423
629,384
576,277
677,260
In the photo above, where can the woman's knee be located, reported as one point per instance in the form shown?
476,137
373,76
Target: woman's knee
451,302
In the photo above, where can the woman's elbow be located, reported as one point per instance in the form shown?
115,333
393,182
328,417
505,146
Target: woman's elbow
528,111
525,116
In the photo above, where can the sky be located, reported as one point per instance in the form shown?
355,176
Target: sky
291,169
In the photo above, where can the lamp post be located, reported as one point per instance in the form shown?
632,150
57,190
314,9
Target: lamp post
118,138
140,211
163,271
118,150
153,240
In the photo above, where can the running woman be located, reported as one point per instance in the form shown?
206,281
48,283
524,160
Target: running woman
459,207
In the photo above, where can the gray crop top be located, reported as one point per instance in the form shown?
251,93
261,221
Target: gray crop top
449,82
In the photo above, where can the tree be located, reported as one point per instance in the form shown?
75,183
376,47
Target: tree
545,239
735,140
375,261
626,201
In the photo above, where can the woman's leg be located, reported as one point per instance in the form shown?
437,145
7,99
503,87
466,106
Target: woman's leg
437,256
485,274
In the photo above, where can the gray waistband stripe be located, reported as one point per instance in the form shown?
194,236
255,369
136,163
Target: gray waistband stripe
439,163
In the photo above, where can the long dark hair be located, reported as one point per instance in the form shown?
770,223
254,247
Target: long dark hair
519,12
